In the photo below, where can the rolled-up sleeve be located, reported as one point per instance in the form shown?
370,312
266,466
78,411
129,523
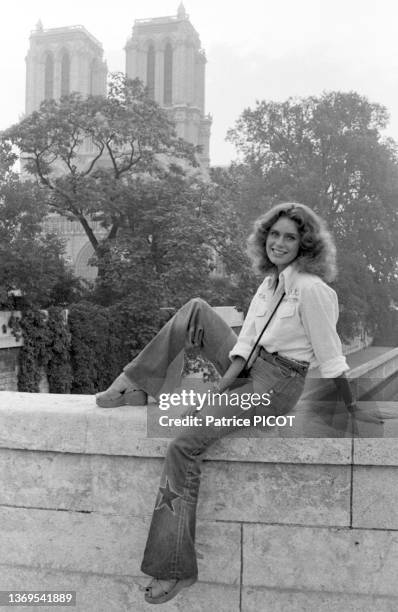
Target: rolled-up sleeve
247,334
319,312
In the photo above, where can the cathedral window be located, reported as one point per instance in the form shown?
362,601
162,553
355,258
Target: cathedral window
65,74
93,71
150,71
168,75
49,77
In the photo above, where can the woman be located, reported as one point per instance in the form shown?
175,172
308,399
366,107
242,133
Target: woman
291,245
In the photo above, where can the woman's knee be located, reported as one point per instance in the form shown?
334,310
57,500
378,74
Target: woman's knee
175,448
184,446
197,303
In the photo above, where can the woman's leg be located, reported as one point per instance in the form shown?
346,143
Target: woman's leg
195,324
170,551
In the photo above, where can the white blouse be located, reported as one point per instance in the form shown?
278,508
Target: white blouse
303,327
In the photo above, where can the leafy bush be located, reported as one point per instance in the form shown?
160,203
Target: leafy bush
58,366
34,354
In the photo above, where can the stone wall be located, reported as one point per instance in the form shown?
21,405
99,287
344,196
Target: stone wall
9,369
283,524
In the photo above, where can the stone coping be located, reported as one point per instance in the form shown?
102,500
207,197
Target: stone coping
74,424
379,366
373,364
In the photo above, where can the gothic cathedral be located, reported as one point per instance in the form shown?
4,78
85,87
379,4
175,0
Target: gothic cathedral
164,52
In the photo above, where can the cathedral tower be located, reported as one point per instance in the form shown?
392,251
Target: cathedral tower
62,60
165,53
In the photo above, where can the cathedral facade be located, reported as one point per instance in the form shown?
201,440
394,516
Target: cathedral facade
164,52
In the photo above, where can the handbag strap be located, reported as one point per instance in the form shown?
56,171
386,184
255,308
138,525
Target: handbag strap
263,330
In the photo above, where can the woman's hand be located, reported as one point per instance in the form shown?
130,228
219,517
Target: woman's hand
220,386
364,416
230,375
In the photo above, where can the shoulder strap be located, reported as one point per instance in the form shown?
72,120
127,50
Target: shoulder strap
263,330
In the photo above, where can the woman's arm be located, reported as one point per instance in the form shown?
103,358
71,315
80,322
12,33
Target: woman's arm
319,313
247,335
344,389
231,374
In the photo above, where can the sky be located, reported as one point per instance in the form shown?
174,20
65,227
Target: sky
256,50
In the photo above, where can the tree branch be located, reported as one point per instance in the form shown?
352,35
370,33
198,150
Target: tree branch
94,160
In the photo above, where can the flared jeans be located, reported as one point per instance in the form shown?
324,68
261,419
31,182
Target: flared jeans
170,548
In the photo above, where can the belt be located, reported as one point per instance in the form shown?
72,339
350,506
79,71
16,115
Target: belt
297,366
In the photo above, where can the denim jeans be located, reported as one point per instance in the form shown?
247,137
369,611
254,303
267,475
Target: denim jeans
170,548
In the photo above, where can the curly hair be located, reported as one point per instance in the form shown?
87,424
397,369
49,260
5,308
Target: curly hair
317,252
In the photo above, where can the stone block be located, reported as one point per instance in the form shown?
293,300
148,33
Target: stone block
300,494
120,431
382,452
43,421
125,485
375,497
46,480
257,599
109,544
66,481
71,541
252,492
72,423
335,451
276,493
94,593
105,593
321,559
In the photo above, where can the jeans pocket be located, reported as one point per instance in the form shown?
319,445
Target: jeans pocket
283,385
268,376
287,394
285,371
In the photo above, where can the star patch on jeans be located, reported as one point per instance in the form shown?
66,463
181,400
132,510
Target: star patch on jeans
167,496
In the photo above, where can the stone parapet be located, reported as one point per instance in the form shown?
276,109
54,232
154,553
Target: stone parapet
375,369
283,524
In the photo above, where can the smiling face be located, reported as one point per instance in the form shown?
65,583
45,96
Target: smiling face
283,243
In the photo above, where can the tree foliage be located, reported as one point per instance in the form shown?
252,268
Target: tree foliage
31,262
80,150
33,355
103,340
328,152
58,367
117,163
177,229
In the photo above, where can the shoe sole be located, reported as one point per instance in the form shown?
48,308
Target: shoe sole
128,398
179,585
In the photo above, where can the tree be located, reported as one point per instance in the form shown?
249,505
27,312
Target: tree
176,230
243,186
31,262
81,150
328,152
166,223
